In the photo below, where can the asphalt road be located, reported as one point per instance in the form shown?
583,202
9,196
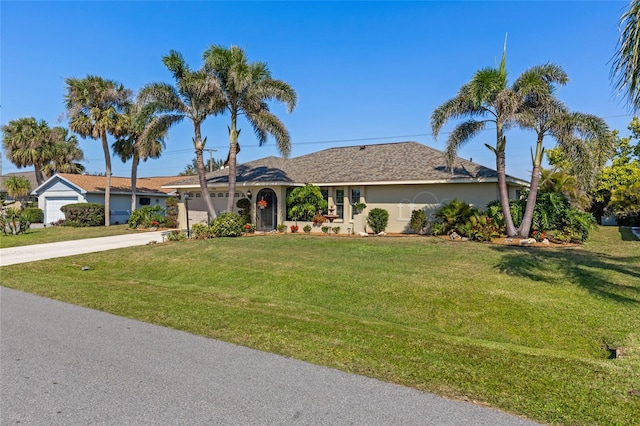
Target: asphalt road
62,364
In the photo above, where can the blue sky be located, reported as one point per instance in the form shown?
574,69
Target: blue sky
364,72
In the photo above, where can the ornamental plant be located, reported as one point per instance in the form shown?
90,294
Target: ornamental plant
307,229
378,219
228,225
294,228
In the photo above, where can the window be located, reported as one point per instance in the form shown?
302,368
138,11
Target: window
340,203
355,198
145,201
220,194
236,195
325,195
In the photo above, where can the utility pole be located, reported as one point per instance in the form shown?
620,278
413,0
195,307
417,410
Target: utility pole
211,151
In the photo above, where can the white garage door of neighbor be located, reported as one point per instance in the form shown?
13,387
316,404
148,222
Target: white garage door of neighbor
52,207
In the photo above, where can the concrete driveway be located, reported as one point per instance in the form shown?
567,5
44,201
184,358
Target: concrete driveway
14,255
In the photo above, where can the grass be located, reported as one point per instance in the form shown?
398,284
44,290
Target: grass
54,234
525,330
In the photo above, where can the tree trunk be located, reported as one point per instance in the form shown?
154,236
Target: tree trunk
233,151
39,175
527,218
502,183
202,176
134,179
107,186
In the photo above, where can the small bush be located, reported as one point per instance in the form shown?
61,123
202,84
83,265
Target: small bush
418,221
480,227
336,230
307,229
83,214
378,219
454,214
176,235
325,229
244,209
33,214
146,217
228,225
14,222
201,231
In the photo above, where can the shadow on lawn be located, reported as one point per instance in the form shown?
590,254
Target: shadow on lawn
588,270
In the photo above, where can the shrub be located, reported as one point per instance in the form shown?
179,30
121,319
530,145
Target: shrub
33,214
336,230
83,214
479,227
306,229
244,209
325,229
454,214
281,227
201,231
249,227
145,216
171,213
176,235
228,225
378,219
304,202
14,222
294,228
418,221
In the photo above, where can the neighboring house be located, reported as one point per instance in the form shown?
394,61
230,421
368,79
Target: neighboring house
62,189
4,194
399,177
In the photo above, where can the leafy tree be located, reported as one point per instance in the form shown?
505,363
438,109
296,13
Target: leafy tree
246,87
192,168
18,187
144,139
26,142
488,99
95,108
625,70
305,201
195,96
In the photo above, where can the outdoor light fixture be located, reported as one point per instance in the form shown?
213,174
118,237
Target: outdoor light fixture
249,194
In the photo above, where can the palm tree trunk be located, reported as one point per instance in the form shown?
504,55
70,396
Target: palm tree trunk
134,179
233,151
502,182
39,174
527,218
107,186
202,177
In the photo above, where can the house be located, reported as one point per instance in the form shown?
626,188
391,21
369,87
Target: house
63,188
399,177
31,176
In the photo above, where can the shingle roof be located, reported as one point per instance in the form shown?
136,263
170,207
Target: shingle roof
389,162
92,183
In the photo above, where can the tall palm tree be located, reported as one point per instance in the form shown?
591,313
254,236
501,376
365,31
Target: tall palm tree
26,143
65,153
246,88
18,187
94,106
488,99
144,139
195,96
625,69
576,135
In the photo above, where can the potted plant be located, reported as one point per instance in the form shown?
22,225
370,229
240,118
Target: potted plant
294,228
359,207
262,204
307,229
281,228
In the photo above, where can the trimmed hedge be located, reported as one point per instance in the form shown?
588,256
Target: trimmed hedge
83,214
33,214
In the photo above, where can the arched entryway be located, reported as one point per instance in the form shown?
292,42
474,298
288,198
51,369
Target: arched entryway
267,217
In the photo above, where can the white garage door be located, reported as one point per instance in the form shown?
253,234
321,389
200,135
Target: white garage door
52,207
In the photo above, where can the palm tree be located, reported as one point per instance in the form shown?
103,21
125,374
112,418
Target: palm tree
94,106
487,98
195,96
65,153
576,134
144,139
26,143
625,70
18,187
246,88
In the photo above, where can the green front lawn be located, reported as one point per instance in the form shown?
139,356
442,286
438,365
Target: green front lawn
521,329
54,234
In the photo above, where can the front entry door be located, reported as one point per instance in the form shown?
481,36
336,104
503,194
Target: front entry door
266,218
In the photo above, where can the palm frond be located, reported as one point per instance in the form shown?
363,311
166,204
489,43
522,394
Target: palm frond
462,134
625,69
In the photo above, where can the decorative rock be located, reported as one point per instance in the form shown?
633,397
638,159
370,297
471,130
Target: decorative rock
382,234
363,234
454,236
508,240
527,242
85,268
464,239
545,242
